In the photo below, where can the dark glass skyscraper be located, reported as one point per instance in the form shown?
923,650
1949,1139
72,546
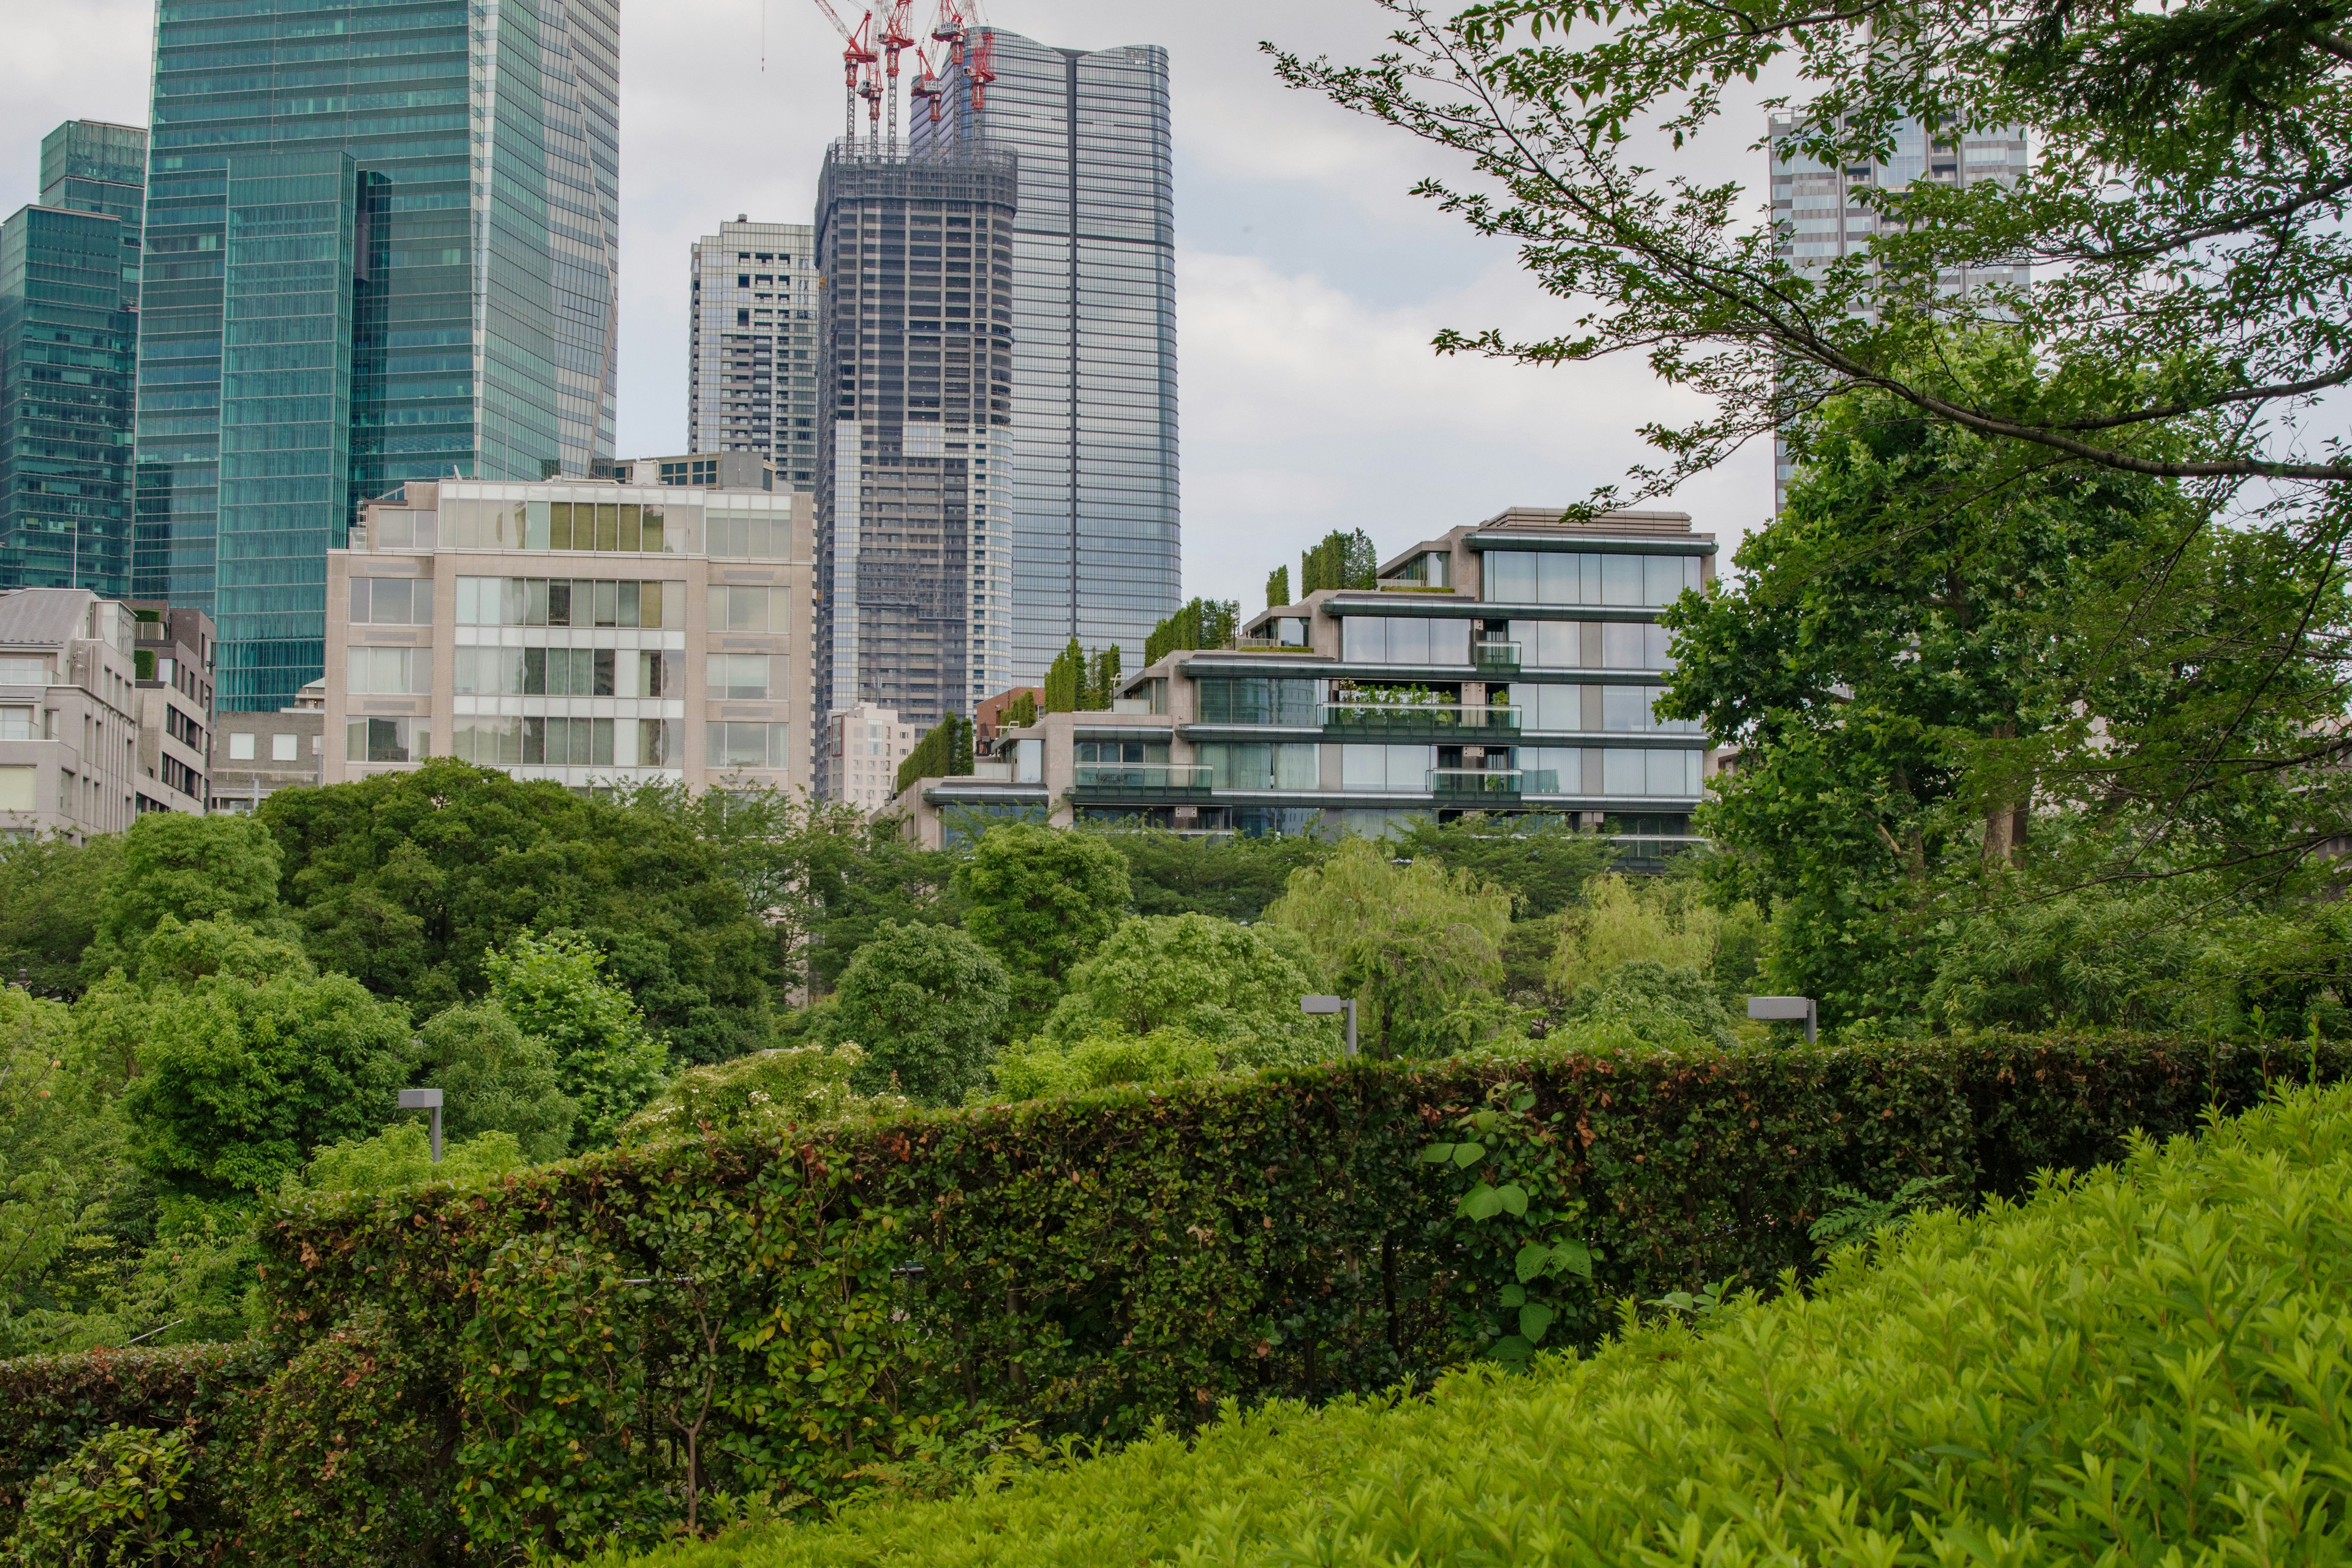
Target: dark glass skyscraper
382,245
1097,542
68,289
915,339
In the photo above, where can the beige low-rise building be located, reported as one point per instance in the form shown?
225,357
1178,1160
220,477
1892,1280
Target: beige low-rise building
68,714
585,631
255,755
864,745
175,664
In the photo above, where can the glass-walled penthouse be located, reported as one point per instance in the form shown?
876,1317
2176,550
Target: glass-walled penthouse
1513,666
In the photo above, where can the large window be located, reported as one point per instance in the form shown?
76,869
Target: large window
391,601
742,677
568,601
628,527
1404,640
1386,768
1252,700
1549,577
15,671
737,609
1655,770
1251,765
1547,707
384,670
1613,645
1633,709
558,742
381,741
733,745
747,536
565,672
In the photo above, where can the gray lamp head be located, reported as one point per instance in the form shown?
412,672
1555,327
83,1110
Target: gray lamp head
420,1099
1779,1009
1320,1005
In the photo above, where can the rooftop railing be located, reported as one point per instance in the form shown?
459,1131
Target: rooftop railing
1130,781
1493,781
1385,719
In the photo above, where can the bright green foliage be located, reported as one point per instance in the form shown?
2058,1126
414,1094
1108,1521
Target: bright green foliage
1543,862
2140,1365
118,1501
944,753
1516,1228
1665,921
1277,589
1041,900
1664,1006
1066,680
554,988
243,1079
768,1089
1092,1263
56,1155
1202,622
1412,944
190,868
408,880
1343,560
402,1155
1231,877
52,892
1039,1067
1022,711
495,1079
927,1004
1234,987
1102,679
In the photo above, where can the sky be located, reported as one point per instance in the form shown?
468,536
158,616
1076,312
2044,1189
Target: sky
1309,282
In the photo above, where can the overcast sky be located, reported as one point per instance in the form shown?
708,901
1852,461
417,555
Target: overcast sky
1308,283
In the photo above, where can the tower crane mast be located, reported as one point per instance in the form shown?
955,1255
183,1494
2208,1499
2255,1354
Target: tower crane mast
858,57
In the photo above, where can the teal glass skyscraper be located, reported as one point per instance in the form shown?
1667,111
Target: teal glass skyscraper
68,286
382,245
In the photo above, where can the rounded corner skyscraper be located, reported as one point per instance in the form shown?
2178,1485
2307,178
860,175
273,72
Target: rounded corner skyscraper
382,245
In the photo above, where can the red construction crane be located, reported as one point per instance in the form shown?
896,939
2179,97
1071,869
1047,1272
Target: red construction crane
957,20
927,87
895,40
858,57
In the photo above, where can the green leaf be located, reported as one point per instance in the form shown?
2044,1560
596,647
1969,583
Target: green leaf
1482,1202
1514,1350
1514,1198
1534,1259
1437,1154
1468,1154
1514,1296
1523,1102
1534,1321
1484,1122
1572,1256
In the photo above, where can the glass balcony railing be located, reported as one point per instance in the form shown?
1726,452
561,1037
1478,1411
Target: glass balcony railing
1132,780
1268,645
1496,658
1380,721
1494,781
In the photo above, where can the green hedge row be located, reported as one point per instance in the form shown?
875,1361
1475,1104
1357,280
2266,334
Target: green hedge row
623,1345
51,1405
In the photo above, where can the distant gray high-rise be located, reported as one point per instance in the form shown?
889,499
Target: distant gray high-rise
1814,206
751,358
1097,532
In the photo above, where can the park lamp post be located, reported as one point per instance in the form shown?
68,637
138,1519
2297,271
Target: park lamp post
426,1100
1321,1005
1788,1010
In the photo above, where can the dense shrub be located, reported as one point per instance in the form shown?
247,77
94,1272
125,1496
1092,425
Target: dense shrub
2143,1365
50,1406
640,1337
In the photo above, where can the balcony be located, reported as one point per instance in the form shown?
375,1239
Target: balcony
1267,645
1496,658
1491,782
1139,781
1417,720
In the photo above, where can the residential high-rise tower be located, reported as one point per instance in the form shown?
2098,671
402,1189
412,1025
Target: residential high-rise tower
1096,535
379,248
751,370
914,541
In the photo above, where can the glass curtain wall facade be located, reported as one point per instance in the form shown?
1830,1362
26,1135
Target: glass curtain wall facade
752,342
1096,528
91,167
913,533
382,245
67,343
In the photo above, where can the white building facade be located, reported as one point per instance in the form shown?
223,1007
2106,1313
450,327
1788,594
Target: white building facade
864,744
591,633
68,714
752,353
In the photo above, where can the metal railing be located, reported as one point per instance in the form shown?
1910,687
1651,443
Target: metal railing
1381,720
1267,645
1496,658
1493,781
1129,781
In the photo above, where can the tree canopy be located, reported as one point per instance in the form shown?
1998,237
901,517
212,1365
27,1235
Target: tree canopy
1233,987
1041,900
927,1004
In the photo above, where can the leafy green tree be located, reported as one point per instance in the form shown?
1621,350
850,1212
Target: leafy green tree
1202,622
770,1091
1234,987
1041,900
1231,876
407,880
554,989
1277,589
1345,559
926,1004
1040,1067
190,868
944,753
1665,1006
402,1155
1066,680
58,1151
241,1080
1413,943
493,1078
1543,862
52,892
1666,920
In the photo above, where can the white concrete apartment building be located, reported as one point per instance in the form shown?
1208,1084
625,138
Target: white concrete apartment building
588,632
866,745
68,714
175,664
751,346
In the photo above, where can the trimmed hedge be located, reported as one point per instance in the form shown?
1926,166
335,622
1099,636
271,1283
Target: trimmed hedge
635,1341
2147,1364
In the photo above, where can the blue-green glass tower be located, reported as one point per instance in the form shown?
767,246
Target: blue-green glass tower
68,288
382,244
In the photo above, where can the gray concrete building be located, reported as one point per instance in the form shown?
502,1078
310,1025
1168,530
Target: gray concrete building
751,349
258,754
68,714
